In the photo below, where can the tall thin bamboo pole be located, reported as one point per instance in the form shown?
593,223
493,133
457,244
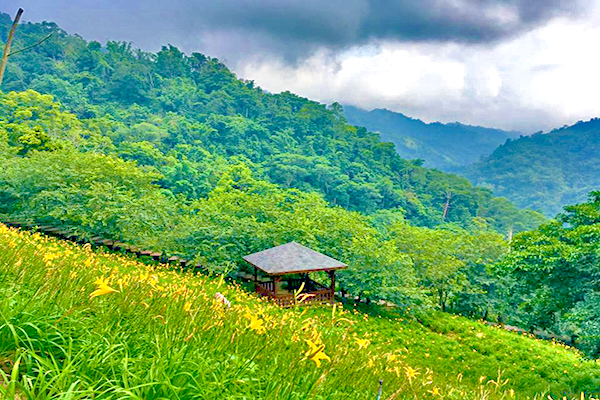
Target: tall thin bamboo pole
7,46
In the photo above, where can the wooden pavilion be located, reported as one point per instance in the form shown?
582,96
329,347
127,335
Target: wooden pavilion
293,259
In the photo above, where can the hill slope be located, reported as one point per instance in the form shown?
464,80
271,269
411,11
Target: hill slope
79,323
167,110
544,171
441,146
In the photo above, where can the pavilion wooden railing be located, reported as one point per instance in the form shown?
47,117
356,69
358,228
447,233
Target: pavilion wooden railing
320,296
295,283
268,286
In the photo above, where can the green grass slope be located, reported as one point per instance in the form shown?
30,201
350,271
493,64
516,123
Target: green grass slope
76,323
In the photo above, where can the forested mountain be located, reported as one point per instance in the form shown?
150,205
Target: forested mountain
185,116
442,146
175,153
544,171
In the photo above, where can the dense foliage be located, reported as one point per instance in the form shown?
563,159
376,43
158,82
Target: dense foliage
175,153
552,276
443,146
58,169
544,172
80,324
168,109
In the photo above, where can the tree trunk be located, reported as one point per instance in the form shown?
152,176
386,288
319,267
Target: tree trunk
442,299
446,205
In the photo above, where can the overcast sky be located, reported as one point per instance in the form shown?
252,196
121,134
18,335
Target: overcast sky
527,65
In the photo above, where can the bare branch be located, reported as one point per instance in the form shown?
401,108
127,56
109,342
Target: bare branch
32,46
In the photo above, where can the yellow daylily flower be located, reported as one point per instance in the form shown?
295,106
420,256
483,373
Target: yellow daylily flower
256,323
100,281
320,356
313,347
315,353
362,343
102,288
410,372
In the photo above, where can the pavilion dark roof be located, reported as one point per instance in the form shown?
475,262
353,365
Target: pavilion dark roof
292,258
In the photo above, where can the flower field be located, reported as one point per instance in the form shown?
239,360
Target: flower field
76,323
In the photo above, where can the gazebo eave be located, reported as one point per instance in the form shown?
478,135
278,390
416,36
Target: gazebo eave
283,273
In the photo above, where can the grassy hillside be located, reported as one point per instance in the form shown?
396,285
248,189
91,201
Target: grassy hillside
544,172
442,146
76,323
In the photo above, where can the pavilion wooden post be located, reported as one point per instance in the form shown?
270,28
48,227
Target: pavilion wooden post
332,287
276,284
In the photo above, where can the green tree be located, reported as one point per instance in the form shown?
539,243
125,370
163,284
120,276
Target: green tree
32,121
448,261
551,274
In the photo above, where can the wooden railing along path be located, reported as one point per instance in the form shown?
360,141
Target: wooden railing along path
99,241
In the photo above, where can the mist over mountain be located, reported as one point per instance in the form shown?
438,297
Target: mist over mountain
543,172
447,147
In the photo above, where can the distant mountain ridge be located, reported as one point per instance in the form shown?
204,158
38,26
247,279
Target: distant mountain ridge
544,171
447,147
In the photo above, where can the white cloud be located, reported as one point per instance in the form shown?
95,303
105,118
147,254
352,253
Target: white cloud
545,78
369,77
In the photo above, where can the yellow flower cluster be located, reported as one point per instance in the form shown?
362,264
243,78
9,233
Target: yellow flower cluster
186,303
